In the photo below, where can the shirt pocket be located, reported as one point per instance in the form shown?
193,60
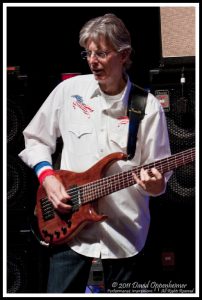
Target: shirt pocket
118,140
81,139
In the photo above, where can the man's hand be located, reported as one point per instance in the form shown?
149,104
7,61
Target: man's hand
56,193
152,182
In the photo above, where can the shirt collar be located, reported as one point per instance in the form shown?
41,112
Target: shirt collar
96,91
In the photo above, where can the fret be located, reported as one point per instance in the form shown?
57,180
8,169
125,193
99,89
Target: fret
129,174
118,181
175,161
161,169
168,162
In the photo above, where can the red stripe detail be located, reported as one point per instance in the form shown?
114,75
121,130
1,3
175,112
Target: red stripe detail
45,173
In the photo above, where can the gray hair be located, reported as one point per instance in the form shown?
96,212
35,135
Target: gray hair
113,30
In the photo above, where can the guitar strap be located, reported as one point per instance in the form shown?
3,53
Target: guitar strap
136,111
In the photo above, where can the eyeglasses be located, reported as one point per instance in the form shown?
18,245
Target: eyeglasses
98,54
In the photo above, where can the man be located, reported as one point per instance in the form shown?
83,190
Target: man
89,112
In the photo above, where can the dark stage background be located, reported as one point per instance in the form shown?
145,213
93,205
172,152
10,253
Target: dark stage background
43,43
45,40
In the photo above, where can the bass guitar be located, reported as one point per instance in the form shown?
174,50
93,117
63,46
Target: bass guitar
84,188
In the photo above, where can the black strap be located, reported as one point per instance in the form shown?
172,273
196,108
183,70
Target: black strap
136,111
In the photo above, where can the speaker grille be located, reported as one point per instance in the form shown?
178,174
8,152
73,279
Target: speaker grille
181,127
27,264
17,184
16,274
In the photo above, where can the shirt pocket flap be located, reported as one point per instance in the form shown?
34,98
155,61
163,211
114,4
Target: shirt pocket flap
80,130
119,140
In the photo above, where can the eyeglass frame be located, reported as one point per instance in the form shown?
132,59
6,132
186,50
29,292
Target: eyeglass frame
88,54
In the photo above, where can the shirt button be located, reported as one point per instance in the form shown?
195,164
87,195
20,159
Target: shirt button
101,150
102,130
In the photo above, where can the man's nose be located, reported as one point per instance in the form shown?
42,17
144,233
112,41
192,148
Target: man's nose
92,57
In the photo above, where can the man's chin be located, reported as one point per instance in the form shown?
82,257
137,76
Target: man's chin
99,78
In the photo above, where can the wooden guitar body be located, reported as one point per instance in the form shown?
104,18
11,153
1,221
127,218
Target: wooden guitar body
56,229
84,188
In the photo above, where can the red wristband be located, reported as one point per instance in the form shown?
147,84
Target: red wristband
43,175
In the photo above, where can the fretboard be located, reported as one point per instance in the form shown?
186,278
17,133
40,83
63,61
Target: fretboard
119,181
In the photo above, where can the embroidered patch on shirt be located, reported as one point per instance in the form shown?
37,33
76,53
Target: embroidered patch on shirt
122,120
78,102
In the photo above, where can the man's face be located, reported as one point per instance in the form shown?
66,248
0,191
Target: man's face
105,63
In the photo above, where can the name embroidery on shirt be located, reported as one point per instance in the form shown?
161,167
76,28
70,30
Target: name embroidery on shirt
78,102
122,120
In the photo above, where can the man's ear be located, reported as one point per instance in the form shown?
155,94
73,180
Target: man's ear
125,54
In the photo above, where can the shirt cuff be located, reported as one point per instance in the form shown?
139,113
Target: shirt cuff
42,170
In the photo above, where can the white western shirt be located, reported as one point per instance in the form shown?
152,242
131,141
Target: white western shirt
93,125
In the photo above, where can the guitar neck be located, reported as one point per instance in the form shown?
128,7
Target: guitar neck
108,185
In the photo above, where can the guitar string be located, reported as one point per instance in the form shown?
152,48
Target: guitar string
162,165
93,192
100,181
121,184
92,188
